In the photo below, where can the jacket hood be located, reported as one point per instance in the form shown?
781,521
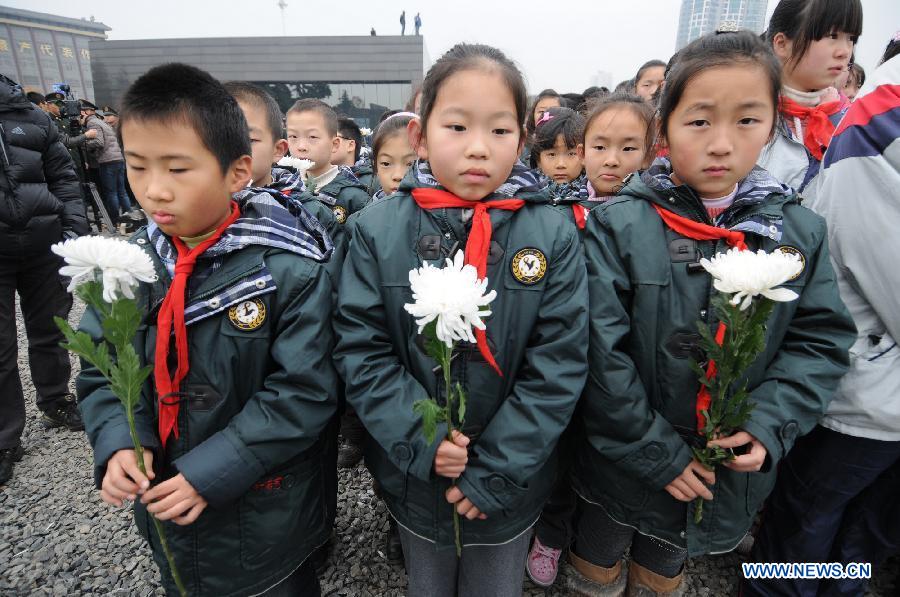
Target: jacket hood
12,95
268,219
522,183
759,201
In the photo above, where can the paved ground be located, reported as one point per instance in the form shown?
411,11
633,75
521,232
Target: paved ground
58,538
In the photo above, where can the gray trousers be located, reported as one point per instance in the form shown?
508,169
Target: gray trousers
482,571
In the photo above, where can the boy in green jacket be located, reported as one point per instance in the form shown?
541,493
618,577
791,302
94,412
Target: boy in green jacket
235,435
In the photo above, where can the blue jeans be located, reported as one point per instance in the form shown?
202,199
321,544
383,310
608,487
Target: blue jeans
835,501
112,187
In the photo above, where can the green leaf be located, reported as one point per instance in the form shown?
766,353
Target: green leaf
122,323
431,414
92,294
461,396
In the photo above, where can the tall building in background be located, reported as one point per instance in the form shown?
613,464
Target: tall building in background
699,17
39,50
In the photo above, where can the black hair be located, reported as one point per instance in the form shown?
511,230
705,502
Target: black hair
463,57
387,114
260,98
563,121
317,105
857,74
35,98
529,121
180,92
630,101
647,65
411,103
591,96
626,86
573,100
717,50
348,129
891,50
390,126
806,21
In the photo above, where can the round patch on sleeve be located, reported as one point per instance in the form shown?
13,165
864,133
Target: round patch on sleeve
340,214
247,315
794,251
529,266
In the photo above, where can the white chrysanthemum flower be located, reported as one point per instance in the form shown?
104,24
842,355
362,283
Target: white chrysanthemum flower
452,295
365,131
746,274
300,165
121,265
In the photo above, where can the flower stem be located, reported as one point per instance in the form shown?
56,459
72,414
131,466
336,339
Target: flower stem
160,532
448,406
698,510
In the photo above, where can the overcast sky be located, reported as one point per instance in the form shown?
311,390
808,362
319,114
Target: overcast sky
559,43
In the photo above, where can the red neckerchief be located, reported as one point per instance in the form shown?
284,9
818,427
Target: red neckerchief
172,312
580,215
700,231
817,127
479,242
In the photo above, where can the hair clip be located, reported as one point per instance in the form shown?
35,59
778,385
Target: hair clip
727,27
545,117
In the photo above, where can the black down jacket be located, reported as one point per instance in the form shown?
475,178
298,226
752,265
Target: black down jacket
40,197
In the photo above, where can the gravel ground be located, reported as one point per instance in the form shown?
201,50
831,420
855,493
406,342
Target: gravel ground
58,538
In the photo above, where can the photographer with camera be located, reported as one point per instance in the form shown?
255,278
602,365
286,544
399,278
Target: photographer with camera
104,152
40,204
51,105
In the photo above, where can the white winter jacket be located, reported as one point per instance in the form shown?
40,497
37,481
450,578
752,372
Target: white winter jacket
858,193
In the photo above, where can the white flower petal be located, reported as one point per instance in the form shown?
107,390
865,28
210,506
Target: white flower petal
120,264
781,295
748,274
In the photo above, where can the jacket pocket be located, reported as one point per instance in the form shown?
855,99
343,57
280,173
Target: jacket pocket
281,512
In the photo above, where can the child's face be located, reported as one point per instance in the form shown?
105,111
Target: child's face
266,150
542,106
820,66
721,123
473,136
614,148
346,152
649,82
394,158
176,179
309,139
561,163
851,87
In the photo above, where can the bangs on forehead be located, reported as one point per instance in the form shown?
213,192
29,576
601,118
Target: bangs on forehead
822,17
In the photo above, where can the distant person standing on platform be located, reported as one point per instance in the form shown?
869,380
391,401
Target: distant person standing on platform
418,23
105,150
40,204
403,23
372,32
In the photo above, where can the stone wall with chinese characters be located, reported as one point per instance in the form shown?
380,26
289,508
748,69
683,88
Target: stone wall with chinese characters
39,58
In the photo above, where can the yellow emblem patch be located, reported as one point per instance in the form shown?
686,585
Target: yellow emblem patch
248,315
529,266
340,214
794,251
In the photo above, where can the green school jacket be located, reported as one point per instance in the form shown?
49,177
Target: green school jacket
637,413
537,334
252,421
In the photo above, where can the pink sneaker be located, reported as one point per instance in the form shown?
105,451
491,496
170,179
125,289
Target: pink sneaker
542,564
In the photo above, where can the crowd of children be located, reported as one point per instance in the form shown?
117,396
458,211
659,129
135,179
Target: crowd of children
588,215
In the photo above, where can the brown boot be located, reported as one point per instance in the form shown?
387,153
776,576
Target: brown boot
645,583
589,580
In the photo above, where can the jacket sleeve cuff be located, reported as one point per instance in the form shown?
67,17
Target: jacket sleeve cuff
219,470
492,493
423,463
777,444
114,438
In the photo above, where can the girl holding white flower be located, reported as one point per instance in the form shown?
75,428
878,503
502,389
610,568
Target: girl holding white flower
644,409
524,373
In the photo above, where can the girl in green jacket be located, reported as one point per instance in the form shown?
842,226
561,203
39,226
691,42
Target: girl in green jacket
522,378
634,468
